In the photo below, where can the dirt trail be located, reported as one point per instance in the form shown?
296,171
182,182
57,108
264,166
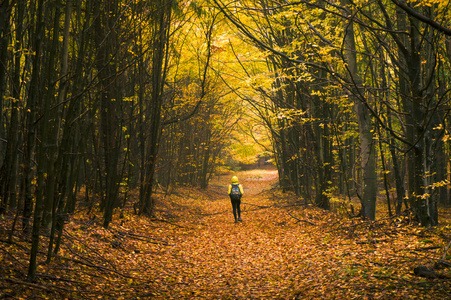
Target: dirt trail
262,257
254,182
271,255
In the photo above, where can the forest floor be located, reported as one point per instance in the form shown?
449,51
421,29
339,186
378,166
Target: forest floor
192,249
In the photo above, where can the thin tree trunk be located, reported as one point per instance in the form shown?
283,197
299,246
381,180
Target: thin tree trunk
8,171
159,65
5,12
58,200
31,111
105,36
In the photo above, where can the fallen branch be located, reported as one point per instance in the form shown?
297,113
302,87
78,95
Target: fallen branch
300,220
95,266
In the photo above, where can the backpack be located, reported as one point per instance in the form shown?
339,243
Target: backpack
235,192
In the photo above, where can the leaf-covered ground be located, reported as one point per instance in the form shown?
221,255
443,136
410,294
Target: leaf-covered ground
193,249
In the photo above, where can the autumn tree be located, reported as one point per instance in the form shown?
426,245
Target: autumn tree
302,143
412,97
198,116
356,64
364,119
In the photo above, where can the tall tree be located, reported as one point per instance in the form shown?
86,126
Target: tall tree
161,19
32,110
8,170
356,93
107,47
5,11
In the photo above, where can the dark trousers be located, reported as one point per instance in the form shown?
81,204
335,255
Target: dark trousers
236,208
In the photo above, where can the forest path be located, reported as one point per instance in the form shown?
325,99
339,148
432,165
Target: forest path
282,250
268,255
192,249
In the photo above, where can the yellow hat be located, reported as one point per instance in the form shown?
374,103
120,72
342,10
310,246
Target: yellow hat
235,180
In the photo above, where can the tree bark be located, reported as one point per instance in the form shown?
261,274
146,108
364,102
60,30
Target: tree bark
38,36
367,147
161,27
8,170
5,12
106,46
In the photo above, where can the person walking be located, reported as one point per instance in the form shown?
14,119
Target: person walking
235,192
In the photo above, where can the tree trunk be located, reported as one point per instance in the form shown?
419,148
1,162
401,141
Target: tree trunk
105,40
38,35
367,148
8,171
161,29
60,168
5,11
